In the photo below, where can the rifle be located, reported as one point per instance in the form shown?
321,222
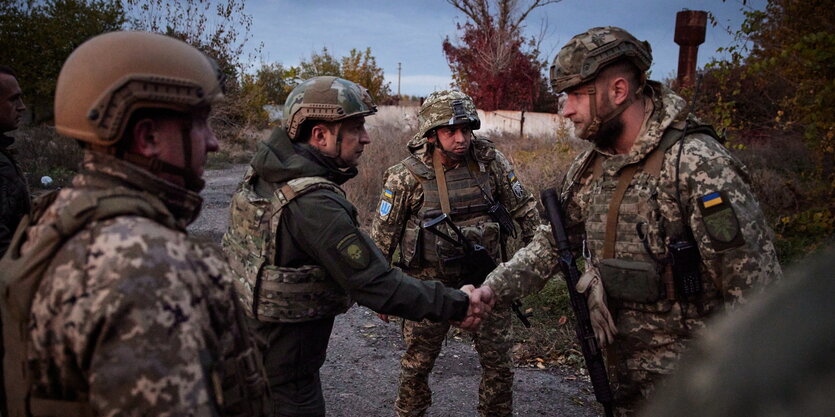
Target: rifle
476,261
585,334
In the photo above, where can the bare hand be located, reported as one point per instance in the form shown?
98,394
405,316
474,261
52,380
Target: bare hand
481,303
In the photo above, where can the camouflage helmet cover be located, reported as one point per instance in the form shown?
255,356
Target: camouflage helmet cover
446,108
586,54
325,98
106,79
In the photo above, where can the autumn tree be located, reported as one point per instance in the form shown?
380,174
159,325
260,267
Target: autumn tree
493,62
361,68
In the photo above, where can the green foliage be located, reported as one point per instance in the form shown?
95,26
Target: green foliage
801,233
781,76
773,97
37,37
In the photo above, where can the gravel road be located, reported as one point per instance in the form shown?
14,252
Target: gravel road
360,375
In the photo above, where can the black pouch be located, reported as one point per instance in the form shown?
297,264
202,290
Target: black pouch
633,281
685,256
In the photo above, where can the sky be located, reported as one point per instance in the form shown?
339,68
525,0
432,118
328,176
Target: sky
411,32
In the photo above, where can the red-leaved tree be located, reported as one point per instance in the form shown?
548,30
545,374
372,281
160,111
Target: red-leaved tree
492,62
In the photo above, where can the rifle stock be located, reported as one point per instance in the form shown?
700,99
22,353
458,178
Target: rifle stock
585,334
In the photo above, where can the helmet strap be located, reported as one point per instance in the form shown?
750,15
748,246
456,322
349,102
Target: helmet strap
155,165
596,120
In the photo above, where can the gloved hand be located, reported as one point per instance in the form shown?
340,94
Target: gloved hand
601,320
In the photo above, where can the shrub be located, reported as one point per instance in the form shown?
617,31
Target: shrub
41,151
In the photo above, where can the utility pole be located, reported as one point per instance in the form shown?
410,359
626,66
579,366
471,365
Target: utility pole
398,81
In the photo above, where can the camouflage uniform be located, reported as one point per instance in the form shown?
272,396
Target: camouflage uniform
318,249
110,309
735,243
133,317
409,194
773,357
14,193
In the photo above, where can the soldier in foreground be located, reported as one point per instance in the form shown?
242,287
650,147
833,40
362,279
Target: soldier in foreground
662,213
297,250
482,195
110,309
14,193
774,358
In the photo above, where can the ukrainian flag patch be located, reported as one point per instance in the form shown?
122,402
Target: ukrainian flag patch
720,221
385,203
515,185
710,200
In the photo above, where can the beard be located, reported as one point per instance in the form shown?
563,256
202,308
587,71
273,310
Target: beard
609,130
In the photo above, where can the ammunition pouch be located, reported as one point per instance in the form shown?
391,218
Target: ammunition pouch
242,384
632,281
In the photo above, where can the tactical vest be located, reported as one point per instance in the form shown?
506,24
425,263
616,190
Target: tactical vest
239,377
625,228
466,186
267,291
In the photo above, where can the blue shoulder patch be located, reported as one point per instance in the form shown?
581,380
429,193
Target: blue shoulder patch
385,208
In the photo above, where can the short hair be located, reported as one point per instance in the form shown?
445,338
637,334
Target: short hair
306,129
5,69
626,69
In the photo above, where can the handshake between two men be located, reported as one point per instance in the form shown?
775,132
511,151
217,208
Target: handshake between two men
482,301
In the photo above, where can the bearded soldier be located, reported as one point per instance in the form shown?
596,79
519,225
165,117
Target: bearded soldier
108,307
452,172
297,250
663,214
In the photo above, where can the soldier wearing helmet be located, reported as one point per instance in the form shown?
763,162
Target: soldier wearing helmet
663,214
298,253
110,308
449,170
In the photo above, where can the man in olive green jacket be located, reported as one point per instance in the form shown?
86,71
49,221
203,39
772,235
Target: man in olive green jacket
300,257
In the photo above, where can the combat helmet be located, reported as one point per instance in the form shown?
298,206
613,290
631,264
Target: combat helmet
325,98
446,108
106,79
586,54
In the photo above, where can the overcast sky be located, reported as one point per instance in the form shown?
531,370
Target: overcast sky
411,31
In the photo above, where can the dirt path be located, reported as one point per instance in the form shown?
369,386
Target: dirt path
360,375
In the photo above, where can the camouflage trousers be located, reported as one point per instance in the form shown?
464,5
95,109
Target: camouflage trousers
646,349
423,344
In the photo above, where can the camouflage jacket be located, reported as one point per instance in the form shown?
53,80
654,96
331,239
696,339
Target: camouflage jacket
134,318
402,198
719,209
14,193
320,228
